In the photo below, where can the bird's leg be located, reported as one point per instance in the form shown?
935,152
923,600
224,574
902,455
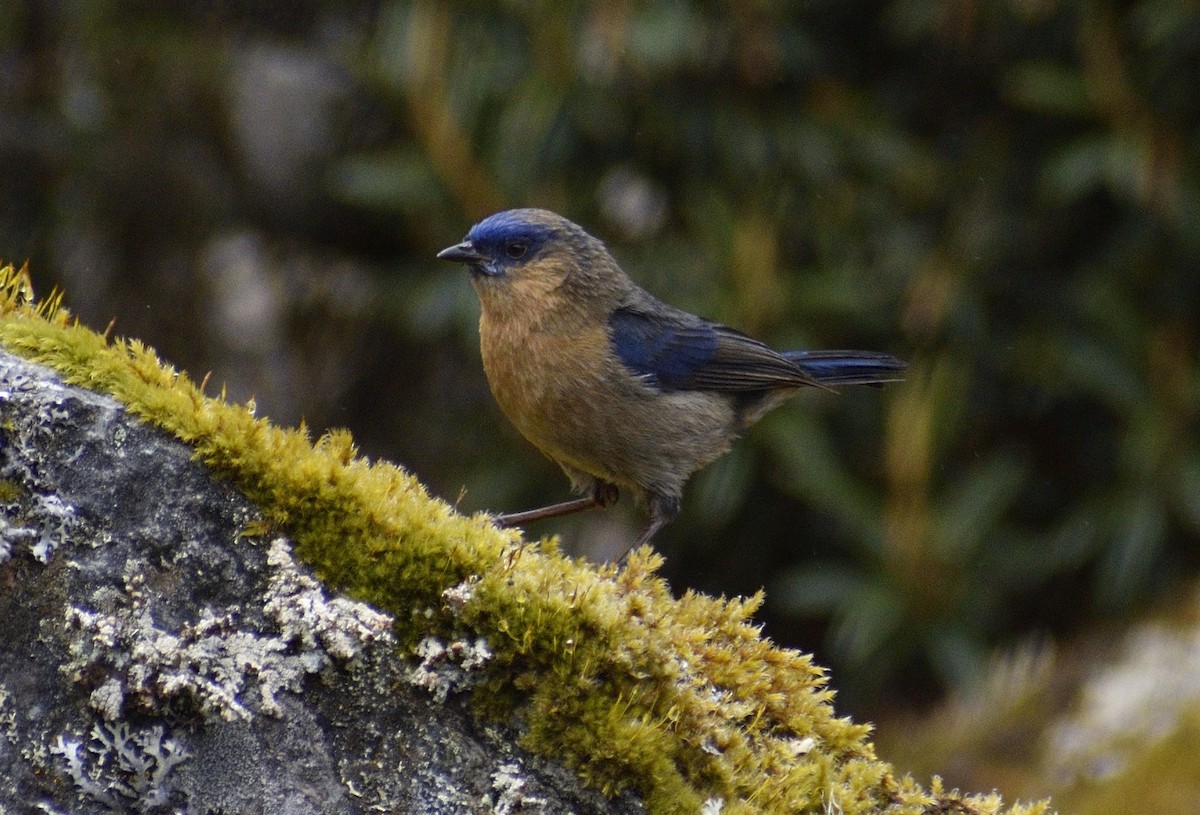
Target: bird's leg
510,519
663,509
603,495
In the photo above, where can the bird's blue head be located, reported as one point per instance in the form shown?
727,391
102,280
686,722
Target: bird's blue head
503,243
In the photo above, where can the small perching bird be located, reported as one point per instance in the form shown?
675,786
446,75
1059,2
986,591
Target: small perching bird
617,387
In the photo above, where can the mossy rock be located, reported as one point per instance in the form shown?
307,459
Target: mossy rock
680,699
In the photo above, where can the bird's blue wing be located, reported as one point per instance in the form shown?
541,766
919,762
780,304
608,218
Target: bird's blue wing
674,350
667,353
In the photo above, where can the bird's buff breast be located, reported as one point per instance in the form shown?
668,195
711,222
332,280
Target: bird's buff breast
564,390
546,381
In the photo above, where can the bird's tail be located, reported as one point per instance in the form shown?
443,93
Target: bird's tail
849,367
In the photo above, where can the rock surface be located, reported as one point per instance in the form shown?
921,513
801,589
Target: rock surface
152,659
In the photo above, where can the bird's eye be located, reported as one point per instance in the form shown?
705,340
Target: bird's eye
516,249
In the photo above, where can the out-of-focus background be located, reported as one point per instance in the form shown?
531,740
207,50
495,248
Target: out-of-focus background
997,559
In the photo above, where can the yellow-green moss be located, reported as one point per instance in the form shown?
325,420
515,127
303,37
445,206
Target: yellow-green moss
680,698
9,491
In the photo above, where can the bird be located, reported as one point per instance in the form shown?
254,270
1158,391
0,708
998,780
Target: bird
622,390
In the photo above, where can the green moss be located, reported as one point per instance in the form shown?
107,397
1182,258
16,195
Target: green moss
680,698
9,491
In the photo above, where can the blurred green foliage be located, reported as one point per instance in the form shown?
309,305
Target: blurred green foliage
1007,194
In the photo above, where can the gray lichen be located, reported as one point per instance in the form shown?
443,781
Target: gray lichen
120,768
36,519
445,668
325,629
212,664
509,783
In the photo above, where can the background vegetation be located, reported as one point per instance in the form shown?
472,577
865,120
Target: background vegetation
1006,194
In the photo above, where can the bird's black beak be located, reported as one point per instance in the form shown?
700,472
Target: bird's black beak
463,252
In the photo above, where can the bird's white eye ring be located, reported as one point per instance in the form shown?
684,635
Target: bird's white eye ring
516,249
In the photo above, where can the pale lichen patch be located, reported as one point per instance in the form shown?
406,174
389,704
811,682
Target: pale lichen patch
449,667
213,662
122,768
